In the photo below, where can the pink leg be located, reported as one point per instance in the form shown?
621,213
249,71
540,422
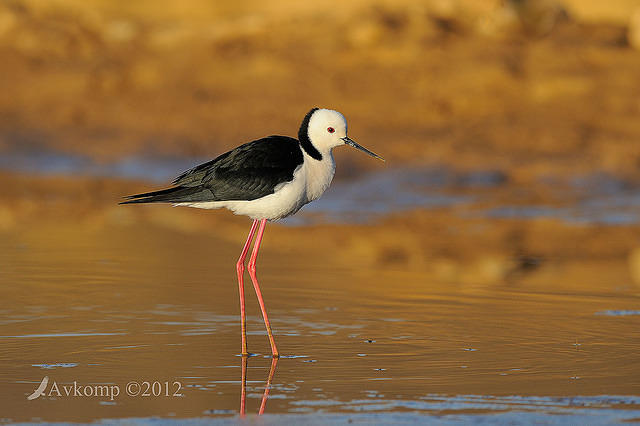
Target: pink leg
240,270
267,388
254,279
243,384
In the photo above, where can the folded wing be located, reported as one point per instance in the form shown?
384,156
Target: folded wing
248,172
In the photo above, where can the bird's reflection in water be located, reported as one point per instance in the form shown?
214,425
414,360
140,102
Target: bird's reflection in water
267,388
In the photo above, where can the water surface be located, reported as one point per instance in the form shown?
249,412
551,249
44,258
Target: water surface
137,306
592,199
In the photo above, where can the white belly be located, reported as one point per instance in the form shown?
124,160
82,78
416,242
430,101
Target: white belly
309,182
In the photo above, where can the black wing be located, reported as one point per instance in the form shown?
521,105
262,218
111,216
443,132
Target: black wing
248,172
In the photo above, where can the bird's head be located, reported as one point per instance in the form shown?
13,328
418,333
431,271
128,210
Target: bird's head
325,129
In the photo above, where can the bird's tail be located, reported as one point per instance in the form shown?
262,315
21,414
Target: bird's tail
178,194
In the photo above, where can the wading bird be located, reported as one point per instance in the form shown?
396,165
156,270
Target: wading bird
266,179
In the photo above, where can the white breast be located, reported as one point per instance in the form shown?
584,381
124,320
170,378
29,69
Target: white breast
319,175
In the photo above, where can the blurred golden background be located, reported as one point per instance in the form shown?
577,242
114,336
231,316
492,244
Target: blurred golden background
539,93
526,86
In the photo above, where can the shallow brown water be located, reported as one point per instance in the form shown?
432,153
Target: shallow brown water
153,305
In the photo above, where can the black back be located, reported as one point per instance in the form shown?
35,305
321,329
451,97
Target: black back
248,172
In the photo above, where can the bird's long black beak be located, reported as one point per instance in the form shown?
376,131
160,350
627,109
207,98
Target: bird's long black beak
361,148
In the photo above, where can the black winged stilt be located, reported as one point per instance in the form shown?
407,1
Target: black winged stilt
266,179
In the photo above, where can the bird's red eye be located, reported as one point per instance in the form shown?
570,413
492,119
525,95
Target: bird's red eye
330,129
